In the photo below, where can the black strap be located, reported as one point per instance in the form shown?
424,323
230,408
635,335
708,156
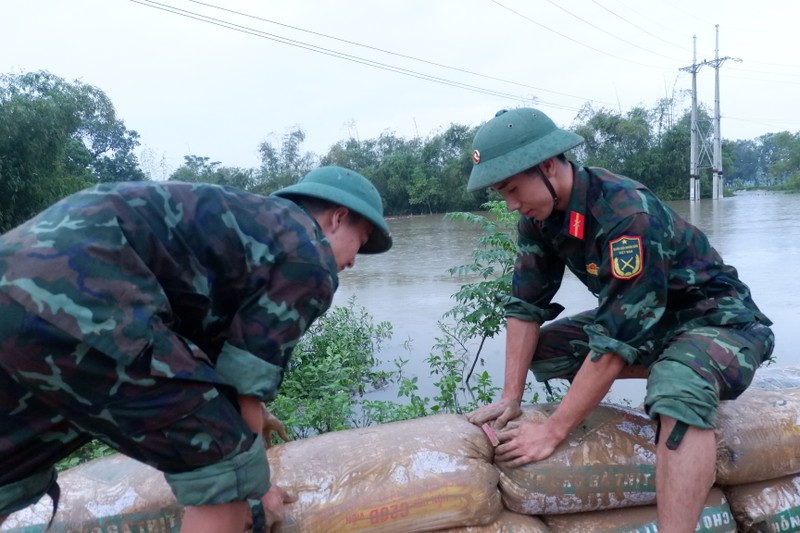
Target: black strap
676,435
54,491
258,516
549,187
549,389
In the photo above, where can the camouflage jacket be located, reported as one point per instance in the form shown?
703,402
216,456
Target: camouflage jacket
653,273
235,277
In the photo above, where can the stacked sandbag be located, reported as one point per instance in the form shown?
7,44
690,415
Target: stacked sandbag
758,452
716,517
608,462
506,522
770,506
436,474
758,436
419,475
109,494
425,474
776,378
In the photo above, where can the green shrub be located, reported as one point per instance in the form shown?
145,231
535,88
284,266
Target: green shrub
332,366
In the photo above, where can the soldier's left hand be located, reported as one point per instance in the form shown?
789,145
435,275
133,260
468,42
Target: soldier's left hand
524,442
272,425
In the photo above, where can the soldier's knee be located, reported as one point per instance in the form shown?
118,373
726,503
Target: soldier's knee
676,390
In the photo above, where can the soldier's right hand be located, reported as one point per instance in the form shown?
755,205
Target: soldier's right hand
274,501
498,413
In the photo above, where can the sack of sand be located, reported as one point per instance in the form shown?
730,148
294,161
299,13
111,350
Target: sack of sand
771,505
506,522
776,378
113,493
716,517
425,474
608,462
757,436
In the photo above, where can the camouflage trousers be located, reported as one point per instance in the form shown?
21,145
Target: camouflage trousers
689,371
57,393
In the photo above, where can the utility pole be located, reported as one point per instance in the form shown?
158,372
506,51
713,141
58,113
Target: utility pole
694,159
718,183
700,151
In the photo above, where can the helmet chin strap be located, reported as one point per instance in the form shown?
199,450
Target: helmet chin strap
549,188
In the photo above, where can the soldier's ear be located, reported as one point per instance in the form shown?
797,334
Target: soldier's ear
547,167
339,217
330,220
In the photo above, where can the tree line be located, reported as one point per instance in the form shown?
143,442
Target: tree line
59,136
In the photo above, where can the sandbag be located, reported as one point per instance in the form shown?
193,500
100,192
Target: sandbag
418,475
506,522
757,436
776,378
716,517
768,506
113,494
607,462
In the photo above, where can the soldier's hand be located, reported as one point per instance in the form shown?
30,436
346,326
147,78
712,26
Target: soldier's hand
498,413
272,425
525,442
274,501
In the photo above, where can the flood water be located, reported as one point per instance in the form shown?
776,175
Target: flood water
410,287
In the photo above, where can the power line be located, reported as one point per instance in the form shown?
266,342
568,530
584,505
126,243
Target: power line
340,55
770,122
319,49
382,50
637,26
753,71
573,40
651,21
685,13
783,65
598,28
763,80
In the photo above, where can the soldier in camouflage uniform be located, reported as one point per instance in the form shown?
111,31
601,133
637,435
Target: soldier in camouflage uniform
156,317
668,308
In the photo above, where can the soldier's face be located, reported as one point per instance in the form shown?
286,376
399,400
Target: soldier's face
525,192
347,238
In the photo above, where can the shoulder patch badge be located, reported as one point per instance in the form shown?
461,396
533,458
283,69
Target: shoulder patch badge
627,256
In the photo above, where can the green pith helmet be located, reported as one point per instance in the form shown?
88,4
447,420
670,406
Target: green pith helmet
351,190
514,141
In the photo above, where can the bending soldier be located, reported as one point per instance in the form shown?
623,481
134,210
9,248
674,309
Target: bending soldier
157,317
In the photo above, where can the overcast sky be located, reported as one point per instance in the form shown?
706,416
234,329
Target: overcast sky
219,86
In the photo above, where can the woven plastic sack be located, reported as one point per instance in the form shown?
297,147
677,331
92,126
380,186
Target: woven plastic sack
772,505
607,462
716,517
757,436
776,378
506,522
418,475
109,494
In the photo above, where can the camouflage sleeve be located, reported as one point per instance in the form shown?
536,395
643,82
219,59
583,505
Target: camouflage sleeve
269,324
633,274
537,278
